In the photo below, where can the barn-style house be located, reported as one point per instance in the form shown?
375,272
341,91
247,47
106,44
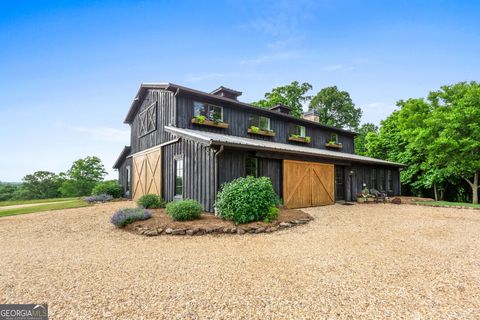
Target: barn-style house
186,143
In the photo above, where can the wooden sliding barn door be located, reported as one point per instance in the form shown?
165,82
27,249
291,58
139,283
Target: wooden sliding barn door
146,173
307,184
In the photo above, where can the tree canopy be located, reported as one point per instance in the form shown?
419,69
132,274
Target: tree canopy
41,185
82,177
336,108
361,138
438,138
292,95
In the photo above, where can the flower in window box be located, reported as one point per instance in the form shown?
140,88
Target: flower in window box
254,129
307,139
200,119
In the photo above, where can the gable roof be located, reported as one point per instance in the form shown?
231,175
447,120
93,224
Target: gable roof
144,87
123,155
213,139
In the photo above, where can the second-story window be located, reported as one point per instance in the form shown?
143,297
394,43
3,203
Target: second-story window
334,138
298,130
263,123
209,111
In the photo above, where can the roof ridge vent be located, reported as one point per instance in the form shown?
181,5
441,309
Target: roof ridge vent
281,108
226,93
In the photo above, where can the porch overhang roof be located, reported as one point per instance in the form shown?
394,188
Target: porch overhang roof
215,139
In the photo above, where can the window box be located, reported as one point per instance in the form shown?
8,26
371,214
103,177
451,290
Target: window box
299,139
210,123
333,145
261,132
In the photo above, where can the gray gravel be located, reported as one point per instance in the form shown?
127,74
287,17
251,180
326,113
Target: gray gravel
352,262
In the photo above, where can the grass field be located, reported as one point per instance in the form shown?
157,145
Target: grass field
58,205
450,204
17,202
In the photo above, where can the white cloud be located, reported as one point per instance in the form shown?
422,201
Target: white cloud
105,133
376,105
268,58
338,67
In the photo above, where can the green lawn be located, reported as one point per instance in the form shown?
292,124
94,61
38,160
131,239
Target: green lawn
15,202
75,203
446,203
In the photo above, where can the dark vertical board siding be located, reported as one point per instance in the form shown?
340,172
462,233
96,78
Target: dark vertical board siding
122,173
199,177
232,166
362,174
272,168
165,102
238,121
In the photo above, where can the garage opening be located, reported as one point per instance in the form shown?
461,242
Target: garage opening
308,184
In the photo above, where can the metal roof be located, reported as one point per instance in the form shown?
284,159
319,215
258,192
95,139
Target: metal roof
123,155
212,139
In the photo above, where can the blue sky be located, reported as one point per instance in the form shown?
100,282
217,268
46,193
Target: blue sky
69,70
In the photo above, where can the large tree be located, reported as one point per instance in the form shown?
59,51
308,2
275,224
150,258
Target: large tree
42,185
336,108
360,139
292,95
437,138
83,176
453,135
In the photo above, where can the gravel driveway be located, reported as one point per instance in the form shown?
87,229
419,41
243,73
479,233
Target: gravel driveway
351,262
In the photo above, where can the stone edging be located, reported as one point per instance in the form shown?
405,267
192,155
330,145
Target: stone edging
444,206
220,230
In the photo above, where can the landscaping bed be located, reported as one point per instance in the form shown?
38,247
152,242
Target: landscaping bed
162,224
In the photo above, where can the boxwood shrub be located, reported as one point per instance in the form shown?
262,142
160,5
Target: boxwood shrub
128,215
184,210
151,201
247,199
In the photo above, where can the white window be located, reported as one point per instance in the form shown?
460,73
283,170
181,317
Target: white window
209,111
179,178
260,122
297,130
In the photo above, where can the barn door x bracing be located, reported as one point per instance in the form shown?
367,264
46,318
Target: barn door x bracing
146,173
307,184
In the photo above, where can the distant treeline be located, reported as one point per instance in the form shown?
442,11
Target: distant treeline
83,178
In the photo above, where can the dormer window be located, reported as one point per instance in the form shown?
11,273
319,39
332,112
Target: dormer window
209,111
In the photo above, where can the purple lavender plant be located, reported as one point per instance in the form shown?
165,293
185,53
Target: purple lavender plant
128,215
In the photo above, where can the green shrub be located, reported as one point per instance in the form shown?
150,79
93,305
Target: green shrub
151,201
247,199
271,215
184,210
110,187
